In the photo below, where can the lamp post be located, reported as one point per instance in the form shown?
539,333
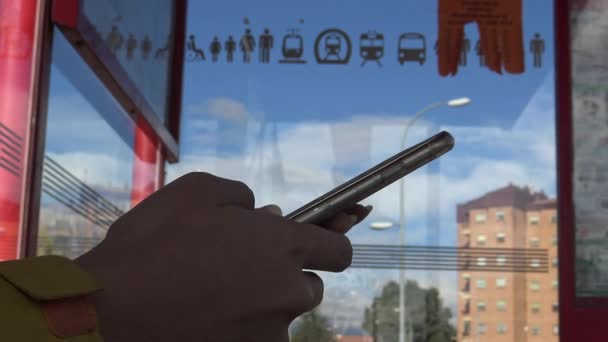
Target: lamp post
459,102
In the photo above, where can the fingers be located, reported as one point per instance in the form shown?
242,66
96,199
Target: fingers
221,191
272,209
301,296
316,248
314,288
344,221
340,223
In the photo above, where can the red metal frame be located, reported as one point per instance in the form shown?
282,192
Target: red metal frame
146,163
65,12
86,40
18,62
580,320
38,133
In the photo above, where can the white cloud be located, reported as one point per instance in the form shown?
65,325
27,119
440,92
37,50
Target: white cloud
223,109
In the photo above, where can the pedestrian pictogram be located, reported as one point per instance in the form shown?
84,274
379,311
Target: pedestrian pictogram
247,45
293,48
412,48
266,44
537,47
131,46
230,47
216,48
146,47
372,47
333,46
114,40
479,52
464,51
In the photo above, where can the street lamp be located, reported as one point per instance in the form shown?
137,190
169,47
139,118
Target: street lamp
458,102
381,225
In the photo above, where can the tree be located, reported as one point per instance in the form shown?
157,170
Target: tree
426,318
312,327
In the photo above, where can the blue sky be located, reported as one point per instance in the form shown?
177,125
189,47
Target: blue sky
329,92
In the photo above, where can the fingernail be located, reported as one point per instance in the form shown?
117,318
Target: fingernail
369,208
353,219
275,209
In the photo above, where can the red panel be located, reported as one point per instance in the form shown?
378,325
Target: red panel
577,323
65,13
145,164
17,34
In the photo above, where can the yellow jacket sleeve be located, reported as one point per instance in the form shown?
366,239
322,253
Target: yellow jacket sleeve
29,286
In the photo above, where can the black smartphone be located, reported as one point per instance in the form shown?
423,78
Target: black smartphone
374,179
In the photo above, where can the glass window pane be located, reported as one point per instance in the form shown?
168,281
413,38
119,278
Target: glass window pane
141,47
296,118
89,158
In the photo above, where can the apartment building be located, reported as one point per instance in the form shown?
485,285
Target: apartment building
509,306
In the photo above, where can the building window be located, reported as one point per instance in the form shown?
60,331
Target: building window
535,331
554,284
501,283
535,285
501,260
535,263
554,262
534,220
501,305
501,328
466,331
467,285
500,238
481,283
555,329
534,242
555,307
481,305
500,216
480,218
481,240
554,219
535,308
467,307
554,238
482,328
481,261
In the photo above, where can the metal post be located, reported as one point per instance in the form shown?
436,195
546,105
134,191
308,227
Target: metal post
402,299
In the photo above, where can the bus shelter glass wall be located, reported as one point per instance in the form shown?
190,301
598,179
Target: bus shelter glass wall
296,98
88,160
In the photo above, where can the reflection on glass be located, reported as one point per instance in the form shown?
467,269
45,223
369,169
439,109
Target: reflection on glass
88,164
139,34
293,129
